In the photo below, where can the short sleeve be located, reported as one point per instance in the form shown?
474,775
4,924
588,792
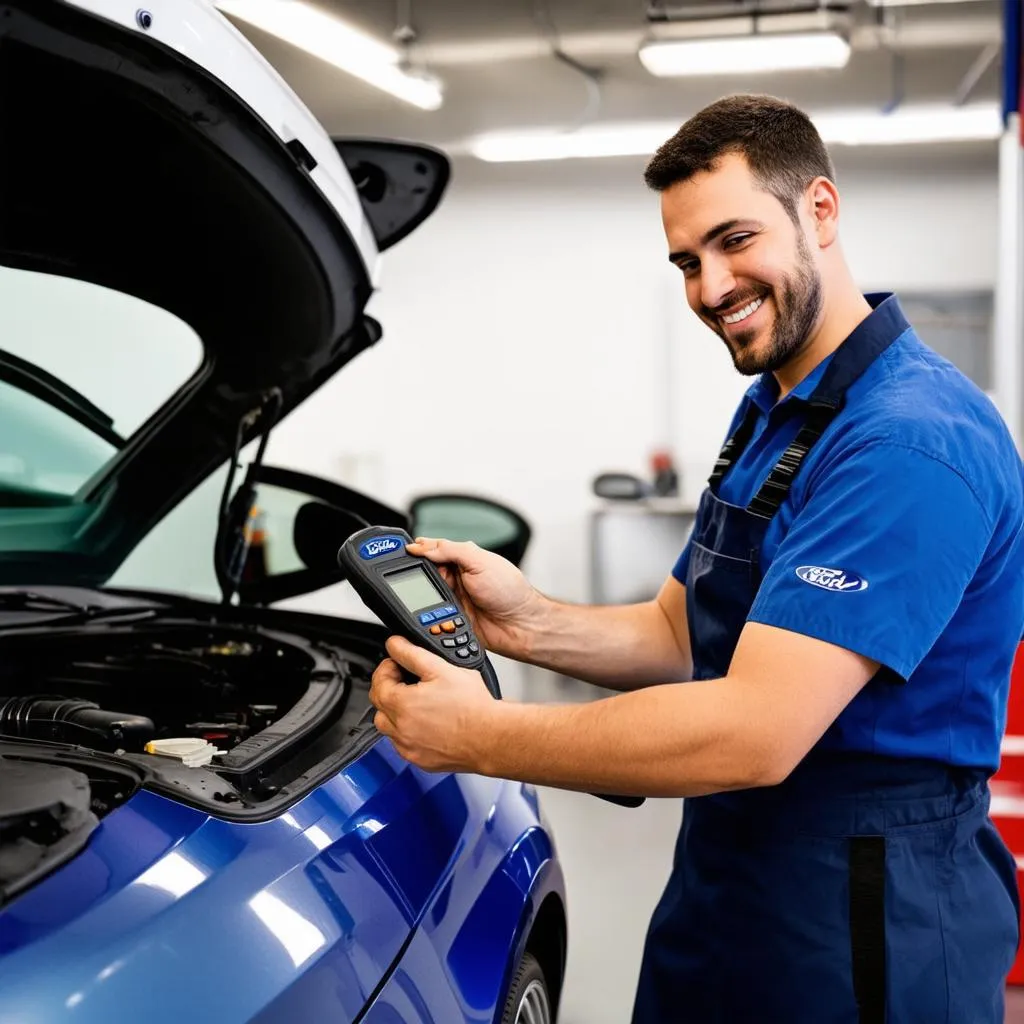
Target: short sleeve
878,559
679,570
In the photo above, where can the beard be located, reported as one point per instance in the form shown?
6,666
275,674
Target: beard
798,301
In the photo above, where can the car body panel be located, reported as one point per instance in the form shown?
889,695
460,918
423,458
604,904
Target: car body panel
198,31
170,911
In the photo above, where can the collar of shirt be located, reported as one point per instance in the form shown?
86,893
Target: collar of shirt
764,391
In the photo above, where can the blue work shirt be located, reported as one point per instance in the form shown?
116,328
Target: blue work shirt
900,540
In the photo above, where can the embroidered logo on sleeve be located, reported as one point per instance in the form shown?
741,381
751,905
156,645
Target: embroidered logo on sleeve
840,581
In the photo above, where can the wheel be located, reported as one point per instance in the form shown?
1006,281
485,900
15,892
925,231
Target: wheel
528,1001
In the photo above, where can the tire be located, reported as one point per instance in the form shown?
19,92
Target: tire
528,1001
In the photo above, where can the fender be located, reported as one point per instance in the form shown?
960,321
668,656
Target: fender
542,929
524,890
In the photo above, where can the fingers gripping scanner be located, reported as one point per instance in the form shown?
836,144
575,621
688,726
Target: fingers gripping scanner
410,597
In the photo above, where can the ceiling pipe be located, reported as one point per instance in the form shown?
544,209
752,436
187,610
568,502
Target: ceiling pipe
659,12
982,63
931,34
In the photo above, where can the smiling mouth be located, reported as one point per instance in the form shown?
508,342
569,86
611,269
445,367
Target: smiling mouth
742,314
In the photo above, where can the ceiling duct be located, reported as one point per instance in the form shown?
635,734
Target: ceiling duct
663,12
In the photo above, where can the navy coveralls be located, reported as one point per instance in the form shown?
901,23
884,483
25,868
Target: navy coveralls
879,507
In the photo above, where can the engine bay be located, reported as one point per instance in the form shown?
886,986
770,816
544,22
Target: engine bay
91,692
278,710
116,693
81,707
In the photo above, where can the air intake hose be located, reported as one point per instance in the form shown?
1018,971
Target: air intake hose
73,721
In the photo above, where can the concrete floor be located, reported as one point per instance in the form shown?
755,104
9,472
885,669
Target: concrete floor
609,906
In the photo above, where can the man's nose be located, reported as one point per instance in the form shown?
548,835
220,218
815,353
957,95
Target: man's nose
716,282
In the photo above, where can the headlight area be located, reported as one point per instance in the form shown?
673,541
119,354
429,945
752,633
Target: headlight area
281,712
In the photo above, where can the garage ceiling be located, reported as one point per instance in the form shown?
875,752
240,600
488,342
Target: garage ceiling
495,58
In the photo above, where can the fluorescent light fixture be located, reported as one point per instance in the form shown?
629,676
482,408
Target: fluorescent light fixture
605,140
910,3
330,39
905,126
750,54
978,122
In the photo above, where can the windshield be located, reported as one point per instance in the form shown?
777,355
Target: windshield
44,450
81,369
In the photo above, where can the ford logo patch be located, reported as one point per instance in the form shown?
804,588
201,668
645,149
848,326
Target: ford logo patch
840,581
378,546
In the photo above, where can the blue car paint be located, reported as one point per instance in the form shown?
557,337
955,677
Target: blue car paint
456,968
171,914
498,924
470,991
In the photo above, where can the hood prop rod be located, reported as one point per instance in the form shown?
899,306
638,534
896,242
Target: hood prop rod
232,534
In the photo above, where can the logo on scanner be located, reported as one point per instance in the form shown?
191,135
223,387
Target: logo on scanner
840,581
380,546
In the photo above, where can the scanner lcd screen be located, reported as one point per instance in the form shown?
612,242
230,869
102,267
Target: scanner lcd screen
414,588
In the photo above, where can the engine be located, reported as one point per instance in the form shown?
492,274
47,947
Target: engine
116,693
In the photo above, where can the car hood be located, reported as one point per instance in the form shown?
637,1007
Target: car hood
158,155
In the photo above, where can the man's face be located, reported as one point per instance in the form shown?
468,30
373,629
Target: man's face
748,270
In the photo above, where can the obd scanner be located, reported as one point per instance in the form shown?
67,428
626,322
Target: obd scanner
409,595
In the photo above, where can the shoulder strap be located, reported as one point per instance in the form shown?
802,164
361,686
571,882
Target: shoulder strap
864,345
734,447
772,494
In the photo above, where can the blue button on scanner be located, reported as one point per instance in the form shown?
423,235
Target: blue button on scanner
448,609
427,617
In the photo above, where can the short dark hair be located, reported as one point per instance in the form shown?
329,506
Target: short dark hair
778,140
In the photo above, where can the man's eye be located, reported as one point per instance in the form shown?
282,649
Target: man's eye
688,266
734,240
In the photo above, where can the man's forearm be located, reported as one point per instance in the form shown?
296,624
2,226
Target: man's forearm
620,646
679,740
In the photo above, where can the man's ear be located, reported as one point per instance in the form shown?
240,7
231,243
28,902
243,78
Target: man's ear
823,202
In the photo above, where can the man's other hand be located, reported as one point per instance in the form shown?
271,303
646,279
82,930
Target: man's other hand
440,723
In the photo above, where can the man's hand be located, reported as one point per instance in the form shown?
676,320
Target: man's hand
441,722
498,599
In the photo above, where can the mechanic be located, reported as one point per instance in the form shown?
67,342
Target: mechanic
847,608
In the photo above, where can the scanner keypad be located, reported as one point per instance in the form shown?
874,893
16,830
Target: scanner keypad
452,630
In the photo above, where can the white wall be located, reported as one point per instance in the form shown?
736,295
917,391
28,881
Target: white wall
535,335
1008,356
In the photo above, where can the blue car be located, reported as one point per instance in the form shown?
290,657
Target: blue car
198,820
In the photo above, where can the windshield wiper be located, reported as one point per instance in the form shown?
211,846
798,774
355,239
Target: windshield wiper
30,601
65,612
45,386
